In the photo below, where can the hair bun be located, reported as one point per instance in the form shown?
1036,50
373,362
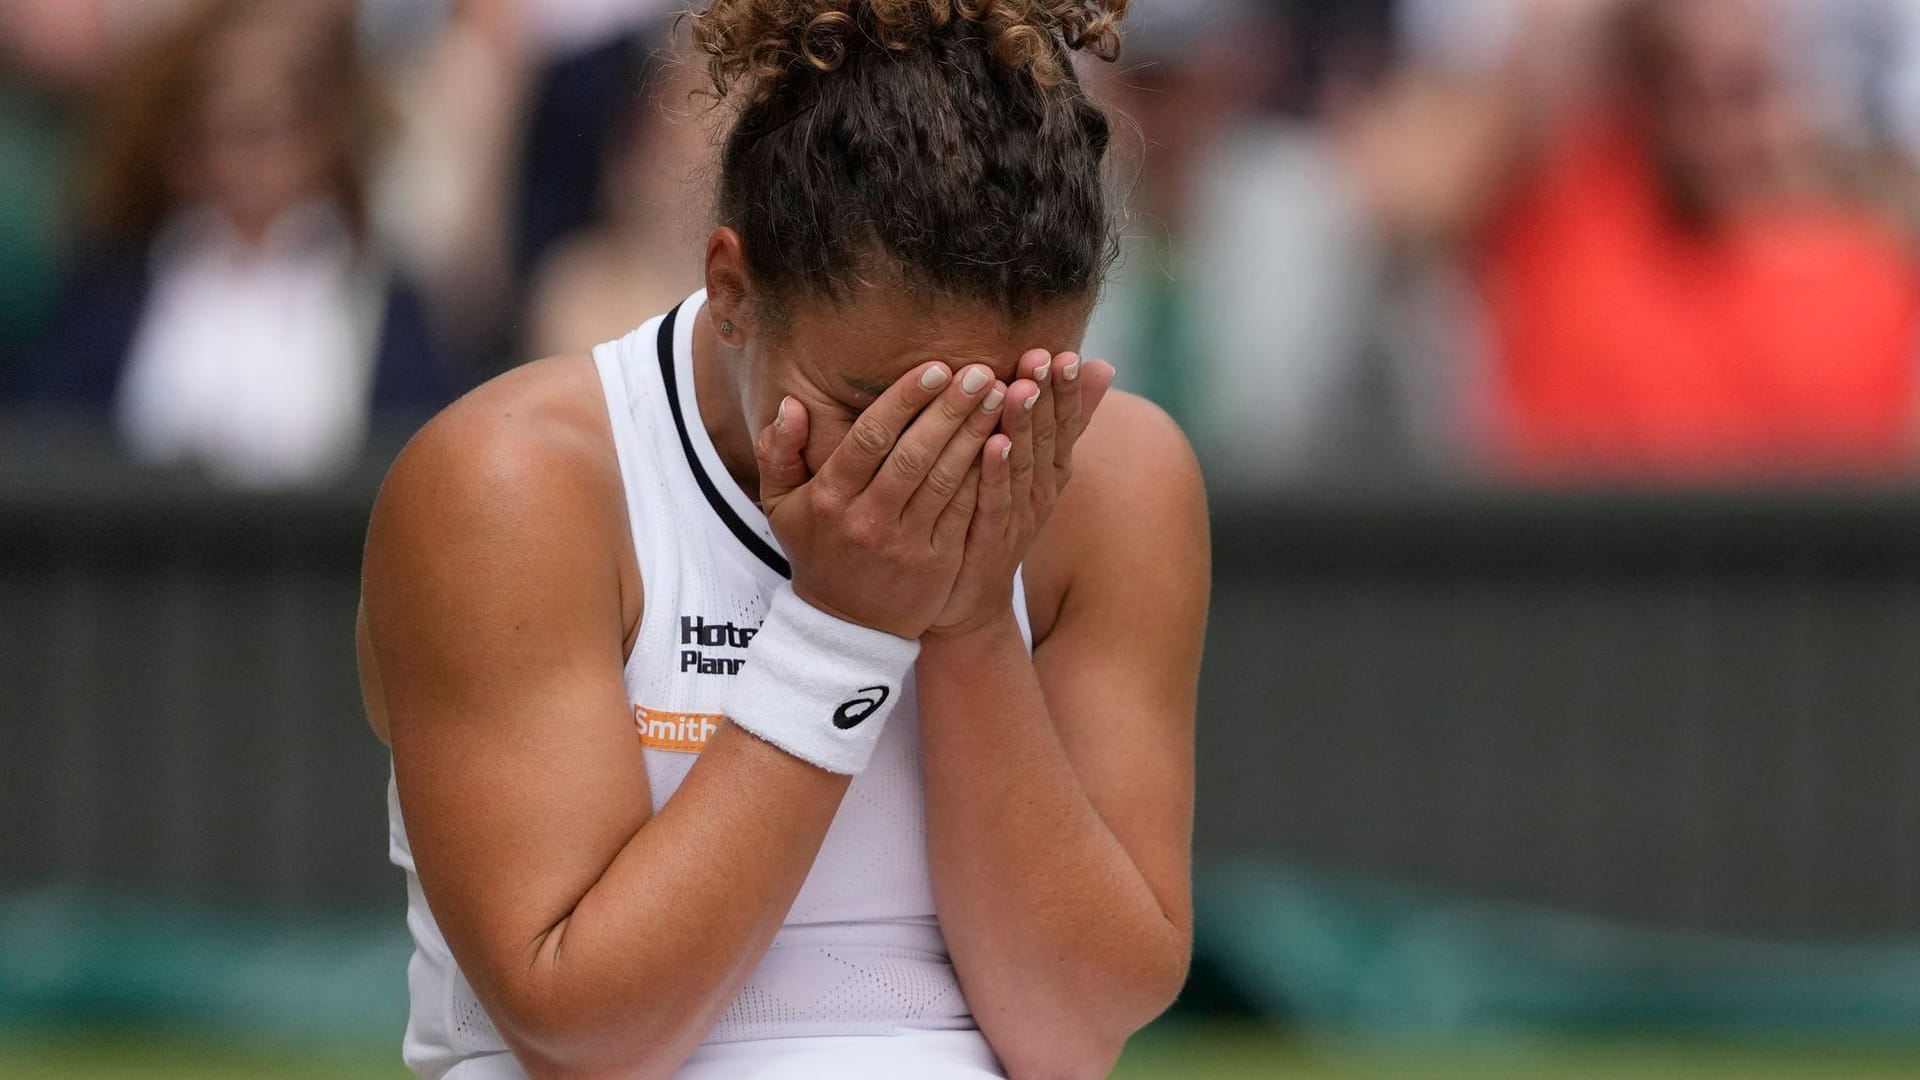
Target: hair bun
758,44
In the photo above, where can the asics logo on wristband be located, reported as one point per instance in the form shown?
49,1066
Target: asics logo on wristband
850,713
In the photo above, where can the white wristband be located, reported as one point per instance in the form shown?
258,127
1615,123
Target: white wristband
819,687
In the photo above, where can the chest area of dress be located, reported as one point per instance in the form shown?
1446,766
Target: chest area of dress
697,626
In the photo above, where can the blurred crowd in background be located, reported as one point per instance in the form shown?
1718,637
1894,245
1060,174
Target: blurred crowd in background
1535,241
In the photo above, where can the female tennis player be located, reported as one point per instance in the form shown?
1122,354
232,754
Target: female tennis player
912,789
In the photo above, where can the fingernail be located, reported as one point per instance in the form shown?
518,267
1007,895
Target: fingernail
935,377
1040,373
974,381
1071,371
1032,401
780,420
1006,452
992,404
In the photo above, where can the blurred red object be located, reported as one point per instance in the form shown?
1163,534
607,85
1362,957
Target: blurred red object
1632,342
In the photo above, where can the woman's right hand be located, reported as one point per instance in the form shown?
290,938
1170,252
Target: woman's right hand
878,535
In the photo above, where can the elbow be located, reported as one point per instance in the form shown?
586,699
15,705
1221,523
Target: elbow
551,1047
570,1052
1167,978
1156,979
555,1036
1084,1060
1083,1050
1086,1050
575,1020
1085,1046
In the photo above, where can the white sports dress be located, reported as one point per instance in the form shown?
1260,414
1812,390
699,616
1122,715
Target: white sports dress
857,982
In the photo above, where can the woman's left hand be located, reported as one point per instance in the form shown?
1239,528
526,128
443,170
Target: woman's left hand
1021,474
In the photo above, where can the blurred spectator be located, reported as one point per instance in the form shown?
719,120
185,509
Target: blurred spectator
459,81
229,310
506,107
1331,47
50,51
1863,58
1678,288
1249,270
639,252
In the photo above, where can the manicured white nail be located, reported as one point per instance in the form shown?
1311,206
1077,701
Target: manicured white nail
992,403
935,377
1040,373
1006,452
1031,402
974,380
1071,371
780,420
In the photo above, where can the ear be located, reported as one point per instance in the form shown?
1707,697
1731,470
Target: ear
729,287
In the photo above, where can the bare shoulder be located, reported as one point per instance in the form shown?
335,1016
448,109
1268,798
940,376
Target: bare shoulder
1136,502
1132,451
523,456
1135,480
500,508
515,435
523,469
504,512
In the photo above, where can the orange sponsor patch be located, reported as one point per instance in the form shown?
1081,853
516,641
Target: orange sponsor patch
679,733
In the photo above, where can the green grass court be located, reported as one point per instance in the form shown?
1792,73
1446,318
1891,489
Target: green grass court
1200,1053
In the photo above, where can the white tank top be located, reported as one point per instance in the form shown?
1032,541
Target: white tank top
860,951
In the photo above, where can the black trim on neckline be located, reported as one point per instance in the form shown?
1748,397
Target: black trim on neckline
669,374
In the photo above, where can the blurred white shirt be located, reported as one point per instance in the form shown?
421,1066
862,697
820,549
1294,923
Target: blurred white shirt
254,363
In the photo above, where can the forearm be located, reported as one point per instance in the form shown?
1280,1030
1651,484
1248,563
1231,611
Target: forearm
636,974
1025,869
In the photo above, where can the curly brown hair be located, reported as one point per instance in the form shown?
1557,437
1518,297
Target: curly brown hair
760,41
949,141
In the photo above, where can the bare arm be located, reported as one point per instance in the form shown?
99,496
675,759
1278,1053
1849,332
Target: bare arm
1436,149
1060,787
494,615
603,939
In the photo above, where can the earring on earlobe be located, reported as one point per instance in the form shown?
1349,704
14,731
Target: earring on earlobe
726,327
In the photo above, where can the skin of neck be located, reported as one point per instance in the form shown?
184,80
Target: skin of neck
717,389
